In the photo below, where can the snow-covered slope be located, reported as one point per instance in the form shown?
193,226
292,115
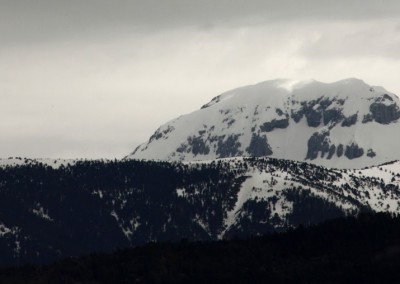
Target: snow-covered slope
346,124
54,163
282,187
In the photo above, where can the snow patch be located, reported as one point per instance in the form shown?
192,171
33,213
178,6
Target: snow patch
41,212
181,192
4,230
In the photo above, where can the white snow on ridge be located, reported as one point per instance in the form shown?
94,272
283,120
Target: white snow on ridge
363,185
54,163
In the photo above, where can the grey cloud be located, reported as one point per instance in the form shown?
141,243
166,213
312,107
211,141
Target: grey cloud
353,41
23,21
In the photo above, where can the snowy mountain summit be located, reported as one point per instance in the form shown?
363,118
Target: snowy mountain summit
345,124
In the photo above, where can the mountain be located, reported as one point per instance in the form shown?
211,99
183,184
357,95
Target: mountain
53,210
346,124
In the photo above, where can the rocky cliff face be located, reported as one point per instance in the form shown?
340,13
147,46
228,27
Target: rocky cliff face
346,124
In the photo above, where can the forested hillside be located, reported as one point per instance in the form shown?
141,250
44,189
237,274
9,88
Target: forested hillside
51,212
351,250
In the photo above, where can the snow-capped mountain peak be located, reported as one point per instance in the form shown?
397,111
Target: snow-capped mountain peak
345,124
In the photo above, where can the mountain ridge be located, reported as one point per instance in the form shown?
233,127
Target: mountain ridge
339,125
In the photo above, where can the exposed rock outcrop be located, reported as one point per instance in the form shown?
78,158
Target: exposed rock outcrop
349,121
318,142
353,151
384,114
259,146
229,147
275,123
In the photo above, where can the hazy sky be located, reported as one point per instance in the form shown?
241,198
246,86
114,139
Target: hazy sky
95,78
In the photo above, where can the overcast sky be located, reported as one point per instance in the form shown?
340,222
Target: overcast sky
95,78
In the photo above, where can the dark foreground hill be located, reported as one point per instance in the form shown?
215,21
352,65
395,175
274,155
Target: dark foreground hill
49,213
365,249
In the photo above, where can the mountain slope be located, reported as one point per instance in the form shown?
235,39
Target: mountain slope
346,124
69,210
